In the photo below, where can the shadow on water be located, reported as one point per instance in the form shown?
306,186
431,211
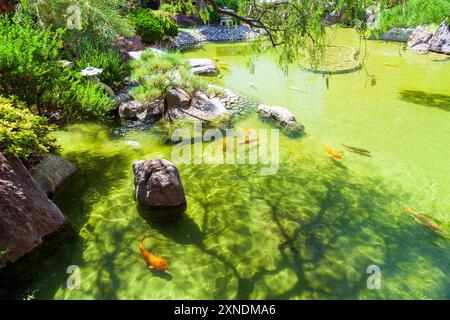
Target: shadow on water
433,100
331,208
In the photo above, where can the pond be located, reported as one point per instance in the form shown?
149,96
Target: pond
312,230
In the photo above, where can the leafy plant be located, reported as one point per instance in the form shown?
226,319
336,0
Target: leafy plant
157,74
153,26
29,69
114,70
413,13
21,132
99,20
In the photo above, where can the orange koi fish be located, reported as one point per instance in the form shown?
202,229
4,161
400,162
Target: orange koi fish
248,141
333,153
224,145
153,262
423,220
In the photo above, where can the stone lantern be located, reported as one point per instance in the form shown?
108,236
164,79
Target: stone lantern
92,73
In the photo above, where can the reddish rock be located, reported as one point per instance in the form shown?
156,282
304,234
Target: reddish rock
126,45
27,216
6,6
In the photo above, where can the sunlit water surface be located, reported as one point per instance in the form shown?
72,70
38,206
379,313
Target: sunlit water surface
308,232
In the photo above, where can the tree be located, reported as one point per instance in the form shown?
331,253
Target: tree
293,27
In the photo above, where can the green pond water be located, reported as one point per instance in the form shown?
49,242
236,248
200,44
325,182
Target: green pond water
308,232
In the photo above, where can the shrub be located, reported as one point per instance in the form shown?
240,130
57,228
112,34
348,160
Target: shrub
114,70
167,72
101,20
415,12
152,26
21,132
29,69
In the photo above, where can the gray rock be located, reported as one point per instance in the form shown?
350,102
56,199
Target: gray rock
282,117
396,35
134,110
121,98
446,48
441,38
418,37
27,216
177,98
421,47
202,66
52,172
158,188
201,108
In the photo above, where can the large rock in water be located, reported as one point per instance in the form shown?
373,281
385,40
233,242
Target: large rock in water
202,66
420,39
136,111
27,216
158,189
441,39
282,117
201,107
52,172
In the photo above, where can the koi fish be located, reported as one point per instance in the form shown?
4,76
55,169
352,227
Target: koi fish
224,145
298,90
355,149
333,153
423,220
253,85
248,141
153,262
390,65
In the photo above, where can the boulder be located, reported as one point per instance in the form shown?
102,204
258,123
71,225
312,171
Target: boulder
121,98
133,43
202,66
52,172
27,216
201,108
446,48
336,16
441,38
396,34
282,117
420,39
135,55
177,98
136,111
158,189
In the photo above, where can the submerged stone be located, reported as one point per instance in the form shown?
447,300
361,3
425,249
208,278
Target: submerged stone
282,117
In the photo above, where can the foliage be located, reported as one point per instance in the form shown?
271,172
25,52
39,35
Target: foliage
153,25
29,69
99,20
114,70
415,12
21,132
158,74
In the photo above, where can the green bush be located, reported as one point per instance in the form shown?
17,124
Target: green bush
21,132
167,72
114,70
152,26
29,69
101,20
415,12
